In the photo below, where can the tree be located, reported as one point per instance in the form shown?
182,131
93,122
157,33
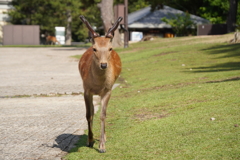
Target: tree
107,15
189,6
215,11
134,5
232,15
49,14
181,24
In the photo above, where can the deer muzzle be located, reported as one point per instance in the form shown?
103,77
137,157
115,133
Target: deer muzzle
103,66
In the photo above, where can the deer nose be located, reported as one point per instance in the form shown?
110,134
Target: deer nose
103,65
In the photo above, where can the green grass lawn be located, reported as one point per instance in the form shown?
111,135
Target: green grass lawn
169,89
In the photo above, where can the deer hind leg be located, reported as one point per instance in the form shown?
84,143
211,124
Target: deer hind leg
89,116
104,102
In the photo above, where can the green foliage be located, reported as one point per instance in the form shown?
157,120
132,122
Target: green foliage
92,14
49,14
134,5
214,10
184,5
181,24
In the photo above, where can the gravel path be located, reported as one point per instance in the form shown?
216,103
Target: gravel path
38,127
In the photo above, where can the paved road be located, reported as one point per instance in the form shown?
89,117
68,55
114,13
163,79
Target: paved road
38,70
39,127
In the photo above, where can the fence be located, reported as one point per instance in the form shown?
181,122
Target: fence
21,35
211,29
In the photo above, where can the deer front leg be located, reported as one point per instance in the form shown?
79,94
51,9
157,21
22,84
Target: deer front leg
89,116
104,101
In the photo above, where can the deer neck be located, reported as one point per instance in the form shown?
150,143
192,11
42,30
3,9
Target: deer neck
101,79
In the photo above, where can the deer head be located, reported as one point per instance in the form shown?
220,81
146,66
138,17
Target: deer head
102,46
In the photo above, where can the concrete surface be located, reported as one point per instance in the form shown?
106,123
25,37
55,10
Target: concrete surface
38,127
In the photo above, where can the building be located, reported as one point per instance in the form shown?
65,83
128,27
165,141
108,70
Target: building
150,23
4,18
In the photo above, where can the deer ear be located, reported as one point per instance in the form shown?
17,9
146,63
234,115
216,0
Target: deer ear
91,39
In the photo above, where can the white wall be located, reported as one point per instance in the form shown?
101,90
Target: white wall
4,18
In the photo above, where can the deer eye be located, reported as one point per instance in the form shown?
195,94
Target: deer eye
94,49
110,49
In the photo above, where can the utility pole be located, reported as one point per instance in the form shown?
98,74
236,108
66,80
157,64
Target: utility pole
126,24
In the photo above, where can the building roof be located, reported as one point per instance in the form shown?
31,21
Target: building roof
144,18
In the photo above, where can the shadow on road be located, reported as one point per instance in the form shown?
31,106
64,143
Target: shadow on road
65,142
70,143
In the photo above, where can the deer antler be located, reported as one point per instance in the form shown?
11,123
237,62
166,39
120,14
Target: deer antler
94,34
111,30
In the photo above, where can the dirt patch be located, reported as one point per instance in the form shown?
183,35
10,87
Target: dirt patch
144,114
147,116
169,86
225,80
123,82
210,38
164,53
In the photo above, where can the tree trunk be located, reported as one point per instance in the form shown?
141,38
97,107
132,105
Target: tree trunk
68,28
232,15
106,8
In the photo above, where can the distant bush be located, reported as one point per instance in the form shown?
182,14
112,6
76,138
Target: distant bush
181,24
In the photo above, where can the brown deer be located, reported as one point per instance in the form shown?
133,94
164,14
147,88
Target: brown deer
99,67
52,40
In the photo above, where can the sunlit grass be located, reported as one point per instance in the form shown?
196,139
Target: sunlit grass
170,88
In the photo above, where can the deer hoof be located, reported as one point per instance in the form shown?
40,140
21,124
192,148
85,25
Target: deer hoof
90,144
102,150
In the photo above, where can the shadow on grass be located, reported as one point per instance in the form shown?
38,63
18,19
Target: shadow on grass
71,143
228,66
224,51
230,50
